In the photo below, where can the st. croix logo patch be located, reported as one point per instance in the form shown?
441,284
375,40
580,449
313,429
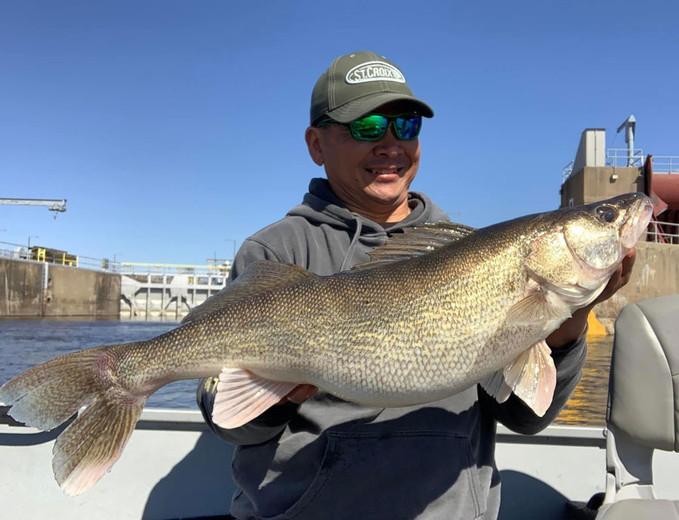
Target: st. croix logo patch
374,71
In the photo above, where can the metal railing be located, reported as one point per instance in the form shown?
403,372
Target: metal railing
133,268
567,171
47,255
663,232
620,157
62,258
665,164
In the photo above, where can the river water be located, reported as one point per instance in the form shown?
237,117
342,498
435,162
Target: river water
25,343
587,405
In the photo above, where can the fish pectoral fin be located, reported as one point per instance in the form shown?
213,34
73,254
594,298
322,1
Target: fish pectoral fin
532,377
496,387
534,308
242,396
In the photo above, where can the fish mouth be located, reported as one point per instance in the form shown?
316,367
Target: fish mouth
636,223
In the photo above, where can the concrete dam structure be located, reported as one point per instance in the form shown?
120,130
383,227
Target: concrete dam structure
32,289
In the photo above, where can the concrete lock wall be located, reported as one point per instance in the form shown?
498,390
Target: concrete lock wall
656,273
21,291
35,289
81,292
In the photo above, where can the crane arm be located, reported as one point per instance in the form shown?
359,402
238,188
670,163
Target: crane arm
52,204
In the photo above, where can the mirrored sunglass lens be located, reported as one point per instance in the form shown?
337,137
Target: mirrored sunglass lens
369,128
408,128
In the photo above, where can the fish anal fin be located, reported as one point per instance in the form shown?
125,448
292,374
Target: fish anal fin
532,377
259,278
496,387
242,396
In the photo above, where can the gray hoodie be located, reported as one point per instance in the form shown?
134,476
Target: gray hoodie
332,459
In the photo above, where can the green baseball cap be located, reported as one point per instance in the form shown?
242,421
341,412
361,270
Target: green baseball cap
356,84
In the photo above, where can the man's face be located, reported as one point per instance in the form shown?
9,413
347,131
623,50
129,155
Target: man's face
371,178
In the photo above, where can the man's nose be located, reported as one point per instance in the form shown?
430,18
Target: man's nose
390,144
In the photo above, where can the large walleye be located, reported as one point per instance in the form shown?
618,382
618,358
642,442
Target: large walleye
441,308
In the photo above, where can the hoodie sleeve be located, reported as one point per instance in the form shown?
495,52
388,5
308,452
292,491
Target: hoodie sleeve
515,415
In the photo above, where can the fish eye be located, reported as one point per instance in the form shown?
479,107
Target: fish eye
607,213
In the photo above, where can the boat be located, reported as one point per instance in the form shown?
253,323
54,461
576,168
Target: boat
174,467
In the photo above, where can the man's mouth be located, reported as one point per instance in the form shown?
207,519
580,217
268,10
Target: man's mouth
385,171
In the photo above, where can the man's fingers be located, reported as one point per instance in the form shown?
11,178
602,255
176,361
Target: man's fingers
301,393
619,278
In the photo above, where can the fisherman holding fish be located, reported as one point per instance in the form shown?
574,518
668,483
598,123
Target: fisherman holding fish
366,348
315,456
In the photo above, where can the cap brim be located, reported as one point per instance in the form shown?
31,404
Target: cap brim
362,106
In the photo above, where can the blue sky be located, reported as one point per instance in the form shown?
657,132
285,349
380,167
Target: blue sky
175,128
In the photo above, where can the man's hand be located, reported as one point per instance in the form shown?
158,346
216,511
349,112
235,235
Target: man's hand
574,327
300,393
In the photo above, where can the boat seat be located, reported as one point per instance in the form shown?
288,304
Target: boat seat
643,408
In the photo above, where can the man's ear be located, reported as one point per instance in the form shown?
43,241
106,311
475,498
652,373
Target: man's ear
313,142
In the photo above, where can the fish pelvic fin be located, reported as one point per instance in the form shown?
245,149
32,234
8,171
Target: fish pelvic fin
531,376
242,396
49,394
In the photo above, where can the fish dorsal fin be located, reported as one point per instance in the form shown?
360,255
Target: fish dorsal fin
242,396
259,278
531,376
415,241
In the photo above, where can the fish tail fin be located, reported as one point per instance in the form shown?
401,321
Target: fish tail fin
94,442
47,395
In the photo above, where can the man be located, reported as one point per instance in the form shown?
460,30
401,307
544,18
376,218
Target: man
315,456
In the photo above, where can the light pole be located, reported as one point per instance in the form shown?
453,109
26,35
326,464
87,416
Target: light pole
234,247
115,261
29,240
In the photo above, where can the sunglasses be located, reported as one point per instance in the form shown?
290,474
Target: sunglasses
374,127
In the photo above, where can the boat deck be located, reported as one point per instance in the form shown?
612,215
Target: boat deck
174,467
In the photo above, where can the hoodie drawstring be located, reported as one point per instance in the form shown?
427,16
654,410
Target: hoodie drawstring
352,245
